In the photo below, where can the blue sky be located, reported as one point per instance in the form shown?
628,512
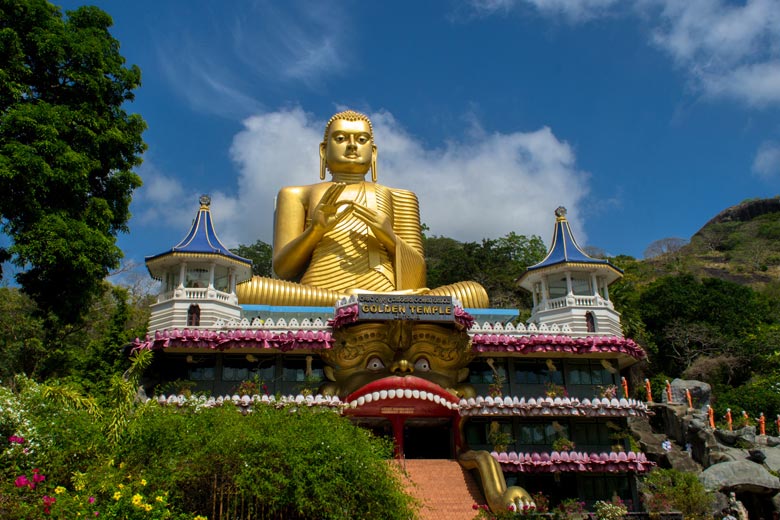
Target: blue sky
645,118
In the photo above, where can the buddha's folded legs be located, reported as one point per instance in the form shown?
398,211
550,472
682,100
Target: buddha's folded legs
268,291
470,294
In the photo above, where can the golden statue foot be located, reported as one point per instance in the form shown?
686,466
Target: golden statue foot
499,497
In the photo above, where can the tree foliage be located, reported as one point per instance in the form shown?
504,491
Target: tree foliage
261,255
494,263
687,318
67,150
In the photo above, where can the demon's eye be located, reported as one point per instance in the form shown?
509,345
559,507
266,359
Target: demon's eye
422,365
375,363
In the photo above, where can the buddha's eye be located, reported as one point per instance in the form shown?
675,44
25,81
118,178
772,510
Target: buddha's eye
362,139
375,363
422,365
339,138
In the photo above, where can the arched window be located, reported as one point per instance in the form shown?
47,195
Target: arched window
590,322
193,316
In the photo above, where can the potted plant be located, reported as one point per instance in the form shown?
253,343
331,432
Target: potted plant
562,444
553,390
498,438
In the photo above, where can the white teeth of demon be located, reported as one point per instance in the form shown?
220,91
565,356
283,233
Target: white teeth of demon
391,394
361,401
383,394
369,398
376,395
416,394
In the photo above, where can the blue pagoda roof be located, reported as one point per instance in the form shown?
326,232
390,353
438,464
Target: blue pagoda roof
202,239
565,250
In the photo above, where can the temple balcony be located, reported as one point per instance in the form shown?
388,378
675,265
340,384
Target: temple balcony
197,293
572,300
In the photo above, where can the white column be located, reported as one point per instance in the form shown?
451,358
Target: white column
594,281
569,289
545,296
211,275
533,293
606,291
182,274
232,280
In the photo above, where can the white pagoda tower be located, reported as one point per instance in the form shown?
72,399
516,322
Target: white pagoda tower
569,287
199,277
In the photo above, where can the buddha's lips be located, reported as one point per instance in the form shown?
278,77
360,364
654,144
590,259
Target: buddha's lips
409,387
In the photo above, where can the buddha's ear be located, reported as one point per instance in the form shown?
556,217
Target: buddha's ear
322,160
373,162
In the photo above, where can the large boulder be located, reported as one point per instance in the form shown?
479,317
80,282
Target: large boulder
700,393
741,476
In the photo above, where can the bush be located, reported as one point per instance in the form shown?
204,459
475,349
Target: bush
672,490
172,463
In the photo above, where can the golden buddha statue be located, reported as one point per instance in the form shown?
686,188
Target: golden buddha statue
348,236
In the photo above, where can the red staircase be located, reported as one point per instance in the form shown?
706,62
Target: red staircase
445,489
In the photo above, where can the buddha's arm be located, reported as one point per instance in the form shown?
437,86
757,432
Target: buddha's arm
294,241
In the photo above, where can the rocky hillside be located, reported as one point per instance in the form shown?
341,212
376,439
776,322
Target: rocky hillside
740,244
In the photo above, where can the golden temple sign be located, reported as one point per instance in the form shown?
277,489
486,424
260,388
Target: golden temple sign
382,307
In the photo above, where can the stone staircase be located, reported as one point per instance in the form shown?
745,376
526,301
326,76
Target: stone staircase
445,489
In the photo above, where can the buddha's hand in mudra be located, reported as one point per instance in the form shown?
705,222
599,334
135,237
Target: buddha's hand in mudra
379,223
329,210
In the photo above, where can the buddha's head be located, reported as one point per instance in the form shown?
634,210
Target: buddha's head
348,145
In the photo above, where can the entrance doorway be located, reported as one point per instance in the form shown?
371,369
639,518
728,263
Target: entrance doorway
428,438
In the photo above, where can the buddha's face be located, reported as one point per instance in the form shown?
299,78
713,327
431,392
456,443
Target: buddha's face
349,147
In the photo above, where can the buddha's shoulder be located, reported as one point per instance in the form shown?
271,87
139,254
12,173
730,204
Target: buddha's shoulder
306,190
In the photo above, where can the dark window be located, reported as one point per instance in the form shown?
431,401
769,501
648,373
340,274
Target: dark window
193,316
590,321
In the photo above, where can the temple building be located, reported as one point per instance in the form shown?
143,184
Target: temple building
546,401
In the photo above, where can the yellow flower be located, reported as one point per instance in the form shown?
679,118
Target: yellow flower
143,481
117,495
59,490
121,464
137,499
121,486
158,498
147,507
199,517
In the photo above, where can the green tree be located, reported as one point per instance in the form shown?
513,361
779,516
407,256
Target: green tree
67,150
494,263
261,255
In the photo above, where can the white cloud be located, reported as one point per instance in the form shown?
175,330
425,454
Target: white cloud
482,187
767,161
574,11
729,50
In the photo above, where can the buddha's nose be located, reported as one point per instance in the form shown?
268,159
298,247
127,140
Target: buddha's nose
402,366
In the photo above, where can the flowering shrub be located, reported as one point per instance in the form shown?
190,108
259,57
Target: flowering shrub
570,509
614,510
